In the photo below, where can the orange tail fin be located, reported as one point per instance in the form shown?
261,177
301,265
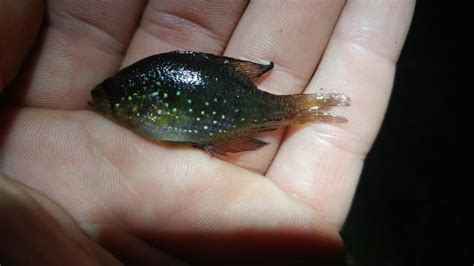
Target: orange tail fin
317,100
304,108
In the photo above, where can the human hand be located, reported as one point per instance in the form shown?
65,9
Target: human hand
284,201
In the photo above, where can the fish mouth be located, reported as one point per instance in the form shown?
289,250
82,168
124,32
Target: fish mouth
97,91
99,100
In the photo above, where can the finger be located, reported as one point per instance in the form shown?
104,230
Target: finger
19,25
293,35
321,164
197,25
82,43
29,221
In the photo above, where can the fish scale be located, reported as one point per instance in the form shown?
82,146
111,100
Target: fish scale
205,100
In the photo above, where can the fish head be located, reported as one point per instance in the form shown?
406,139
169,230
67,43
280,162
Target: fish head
101,102
133,108
106,98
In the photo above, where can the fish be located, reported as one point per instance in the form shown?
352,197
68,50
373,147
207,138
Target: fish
205,100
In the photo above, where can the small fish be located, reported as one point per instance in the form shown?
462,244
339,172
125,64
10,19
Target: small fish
205,100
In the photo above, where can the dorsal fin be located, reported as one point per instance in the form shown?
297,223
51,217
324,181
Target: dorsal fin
250,70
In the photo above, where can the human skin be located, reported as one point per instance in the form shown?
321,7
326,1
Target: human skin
71,170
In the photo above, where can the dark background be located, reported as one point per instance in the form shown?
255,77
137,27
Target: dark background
409,208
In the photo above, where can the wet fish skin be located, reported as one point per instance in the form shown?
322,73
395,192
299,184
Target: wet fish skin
205,100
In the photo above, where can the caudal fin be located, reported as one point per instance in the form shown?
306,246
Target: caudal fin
317,100
304,108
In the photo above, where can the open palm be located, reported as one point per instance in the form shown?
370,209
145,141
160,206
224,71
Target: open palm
290,197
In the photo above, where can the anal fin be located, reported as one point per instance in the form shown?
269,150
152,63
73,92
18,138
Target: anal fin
235,144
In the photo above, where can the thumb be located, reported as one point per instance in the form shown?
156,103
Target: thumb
36,231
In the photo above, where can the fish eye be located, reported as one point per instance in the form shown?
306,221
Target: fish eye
112,89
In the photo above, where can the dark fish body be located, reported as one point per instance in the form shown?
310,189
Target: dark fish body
204,100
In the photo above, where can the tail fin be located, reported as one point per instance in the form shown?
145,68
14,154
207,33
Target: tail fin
304,108
317,100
